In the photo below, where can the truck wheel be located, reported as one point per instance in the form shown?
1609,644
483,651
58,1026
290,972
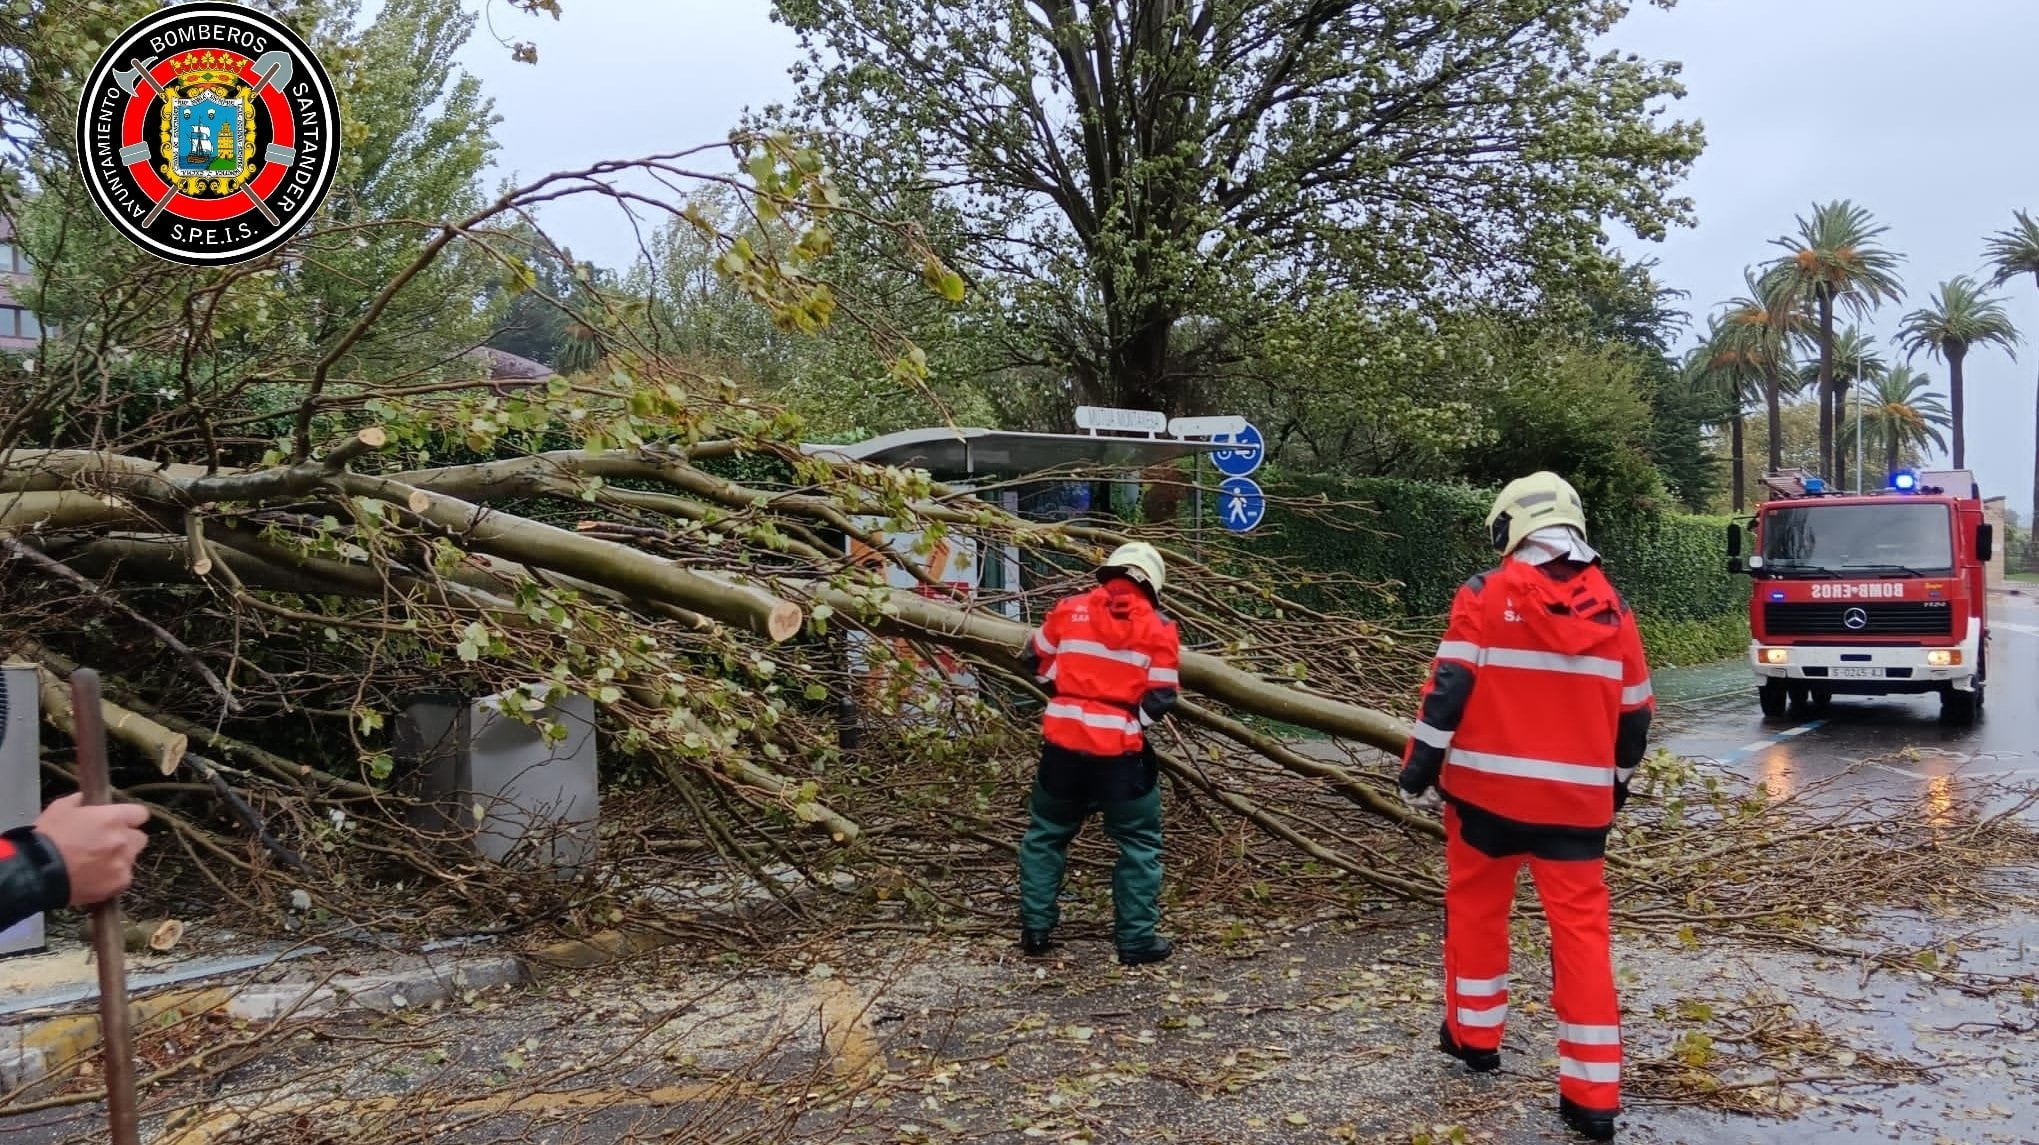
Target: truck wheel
1822,700
1774,700
1801,697
1958,707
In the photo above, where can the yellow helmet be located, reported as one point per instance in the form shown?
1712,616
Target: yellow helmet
1138,560
1537,501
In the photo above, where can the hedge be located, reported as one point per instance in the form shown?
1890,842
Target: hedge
1423,540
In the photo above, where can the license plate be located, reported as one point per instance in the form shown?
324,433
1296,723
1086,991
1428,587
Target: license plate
1857,673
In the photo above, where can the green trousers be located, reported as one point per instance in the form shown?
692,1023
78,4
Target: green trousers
1133,824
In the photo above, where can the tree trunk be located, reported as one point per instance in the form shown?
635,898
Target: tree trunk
1826,383
1889,455
1841,434
2032,522
1736,430
1955,354
1775,405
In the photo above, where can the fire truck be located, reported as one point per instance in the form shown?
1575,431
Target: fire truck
1868,594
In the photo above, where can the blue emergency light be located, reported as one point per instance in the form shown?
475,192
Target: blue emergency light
1905,481
1815,485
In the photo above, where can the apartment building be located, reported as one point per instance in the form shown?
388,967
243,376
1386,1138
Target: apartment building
19,327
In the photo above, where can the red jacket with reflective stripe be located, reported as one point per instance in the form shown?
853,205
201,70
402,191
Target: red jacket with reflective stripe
1113,663
1539,702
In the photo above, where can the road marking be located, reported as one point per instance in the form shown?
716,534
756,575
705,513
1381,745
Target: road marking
2021,629
1748,749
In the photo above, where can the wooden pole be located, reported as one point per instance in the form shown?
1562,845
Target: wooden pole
108,939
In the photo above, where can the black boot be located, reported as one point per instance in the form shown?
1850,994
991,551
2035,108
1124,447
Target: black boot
1479,1061
1592,1124
1156,950
1035,943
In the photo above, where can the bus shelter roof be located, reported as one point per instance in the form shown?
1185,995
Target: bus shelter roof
957,453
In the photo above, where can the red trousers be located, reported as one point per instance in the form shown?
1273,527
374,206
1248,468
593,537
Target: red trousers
1479,896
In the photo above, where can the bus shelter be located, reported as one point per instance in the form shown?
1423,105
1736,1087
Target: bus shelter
1030,475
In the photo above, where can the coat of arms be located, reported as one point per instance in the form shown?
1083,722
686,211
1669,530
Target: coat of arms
208,129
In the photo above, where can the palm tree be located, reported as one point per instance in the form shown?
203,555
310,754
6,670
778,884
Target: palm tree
1900,415
1960,318
1729,366
2011,253
1757,331
1833,258
1856,361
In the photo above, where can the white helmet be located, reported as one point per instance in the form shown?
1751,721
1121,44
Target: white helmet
1138,560
1537,501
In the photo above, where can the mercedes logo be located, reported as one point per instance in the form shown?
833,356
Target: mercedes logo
1856,619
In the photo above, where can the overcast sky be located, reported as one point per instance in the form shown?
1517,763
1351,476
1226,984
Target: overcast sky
1920,110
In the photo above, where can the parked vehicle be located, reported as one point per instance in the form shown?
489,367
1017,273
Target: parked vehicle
1869,594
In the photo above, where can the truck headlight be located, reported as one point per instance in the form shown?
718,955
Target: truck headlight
1776,655
1943,657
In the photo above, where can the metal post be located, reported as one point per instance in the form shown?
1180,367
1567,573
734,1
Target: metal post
1859,382
1197,460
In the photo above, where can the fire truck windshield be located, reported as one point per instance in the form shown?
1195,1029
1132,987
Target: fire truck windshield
1896,538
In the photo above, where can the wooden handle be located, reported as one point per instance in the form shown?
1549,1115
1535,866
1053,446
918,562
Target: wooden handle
108,942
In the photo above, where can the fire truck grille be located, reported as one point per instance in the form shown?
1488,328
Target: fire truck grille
1884,619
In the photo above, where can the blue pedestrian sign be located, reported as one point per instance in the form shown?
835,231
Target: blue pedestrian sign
1240,504
1243,453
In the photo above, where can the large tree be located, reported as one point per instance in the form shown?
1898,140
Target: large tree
1832,259
1960,317
2013,253
1901,417
1727,371
1756,331
1856,361
1120,169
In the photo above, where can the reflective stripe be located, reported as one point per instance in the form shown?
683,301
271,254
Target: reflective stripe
1092,719
1093,648
1589,1035
1041,644
1459,650
1483,1019
1146,721
1623,774
1052,670
1605,1073
1164,676
1425,734
1553,662
1481,987
1580,773
1636,693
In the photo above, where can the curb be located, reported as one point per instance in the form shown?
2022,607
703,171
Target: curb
35,1053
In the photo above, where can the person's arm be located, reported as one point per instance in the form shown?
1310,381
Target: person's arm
1450,687
1638,706
32,877
74,855
1164,673
1038,657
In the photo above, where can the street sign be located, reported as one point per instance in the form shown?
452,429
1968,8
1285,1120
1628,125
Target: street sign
1206,426
1245,455
1240,504
1094,418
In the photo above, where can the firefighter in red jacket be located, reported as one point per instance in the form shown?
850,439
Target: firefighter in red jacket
1110,660
1532,723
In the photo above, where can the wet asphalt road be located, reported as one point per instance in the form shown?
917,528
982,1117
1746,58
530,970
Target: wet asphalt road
1893,745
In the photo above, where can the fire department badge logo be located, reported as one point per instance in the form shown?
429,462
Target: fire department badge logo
208,134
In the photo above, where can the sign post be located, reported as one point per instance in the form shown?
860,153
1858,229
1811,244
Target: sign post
1223,426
